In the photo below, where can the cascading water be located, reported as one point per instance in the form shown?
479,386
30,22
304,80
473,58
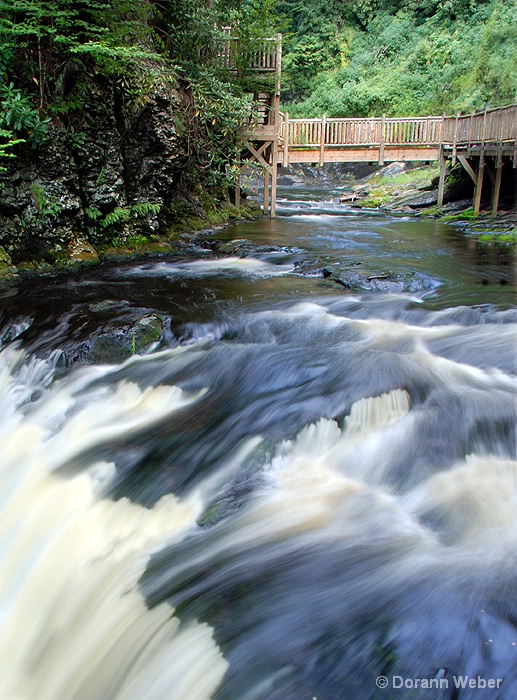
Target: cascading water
298,490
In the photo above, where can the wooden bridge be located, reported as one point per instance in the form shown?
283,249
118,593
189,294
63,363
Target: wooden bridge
479,141
483,142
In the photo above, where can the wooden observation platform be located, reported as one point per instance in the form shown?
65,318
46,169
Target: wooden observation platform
483,142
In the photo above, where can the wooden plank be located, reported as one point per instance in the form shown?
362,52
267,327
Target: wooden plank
469,169
258,154
362,155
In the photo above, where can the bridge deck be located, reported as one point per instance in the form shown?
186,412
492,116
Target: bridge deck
383,139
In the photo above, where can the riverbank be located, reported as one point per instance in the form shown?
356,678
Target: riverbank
399,188
81,253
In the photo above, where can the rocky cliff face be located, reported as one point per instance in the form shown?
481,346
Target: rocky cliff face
115,175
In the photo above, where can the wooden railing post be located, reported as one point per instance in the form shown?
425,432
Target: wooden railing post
471,127
382,139
322,138
483,134
455,141
286,140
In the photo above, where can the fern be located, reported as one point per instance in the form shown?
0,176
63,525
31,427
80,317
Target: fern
145,208
117,216
93,213
122,214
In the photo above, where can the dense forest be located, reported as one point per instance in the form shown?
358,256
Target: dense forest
402,58
116,118
51,54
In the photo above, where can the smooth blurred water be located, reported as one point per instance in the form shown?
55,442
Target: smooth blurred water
298,489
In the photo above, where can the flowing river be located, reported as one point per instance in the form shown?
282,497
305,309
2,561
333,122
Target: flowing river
305,489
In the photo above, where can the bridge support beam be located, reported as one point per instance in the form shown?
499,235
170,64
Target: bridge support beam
479,185
497,183
274,174
443,174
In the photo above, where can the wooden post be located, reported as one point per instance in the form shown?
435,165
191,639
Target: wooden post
441,131
266,191
471,127
274,173
497,183
278,63
443,173
479,185
455,142
382,139
286,140
322,138
515,150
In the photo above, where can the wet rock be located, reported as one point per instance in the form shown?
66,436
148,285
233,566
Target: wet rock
81,251
387,283
5,258
237,246
107,305
392,169
415,199
127,163
117,342
243,247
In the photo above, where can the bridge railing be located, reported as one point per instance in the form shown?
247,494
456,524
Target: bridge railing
262,55
495,125
361,131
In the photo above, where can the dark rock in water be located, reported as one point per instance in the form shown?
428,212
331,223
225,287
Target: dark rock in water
387,283
416,199
107,305
243,247
235,247
118,341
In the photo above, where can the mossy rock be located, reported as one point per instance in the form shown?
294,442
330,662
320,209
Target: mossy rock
118,343
81,251
5,258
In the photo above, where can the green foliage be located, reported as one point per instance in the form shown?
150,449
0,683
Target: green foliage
220,111
93,213
402,58
48,206
121,215
19,115
466,215
506,237
7,141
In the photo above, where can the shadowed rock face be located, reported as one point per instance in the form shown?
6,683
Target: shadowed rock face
51,196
